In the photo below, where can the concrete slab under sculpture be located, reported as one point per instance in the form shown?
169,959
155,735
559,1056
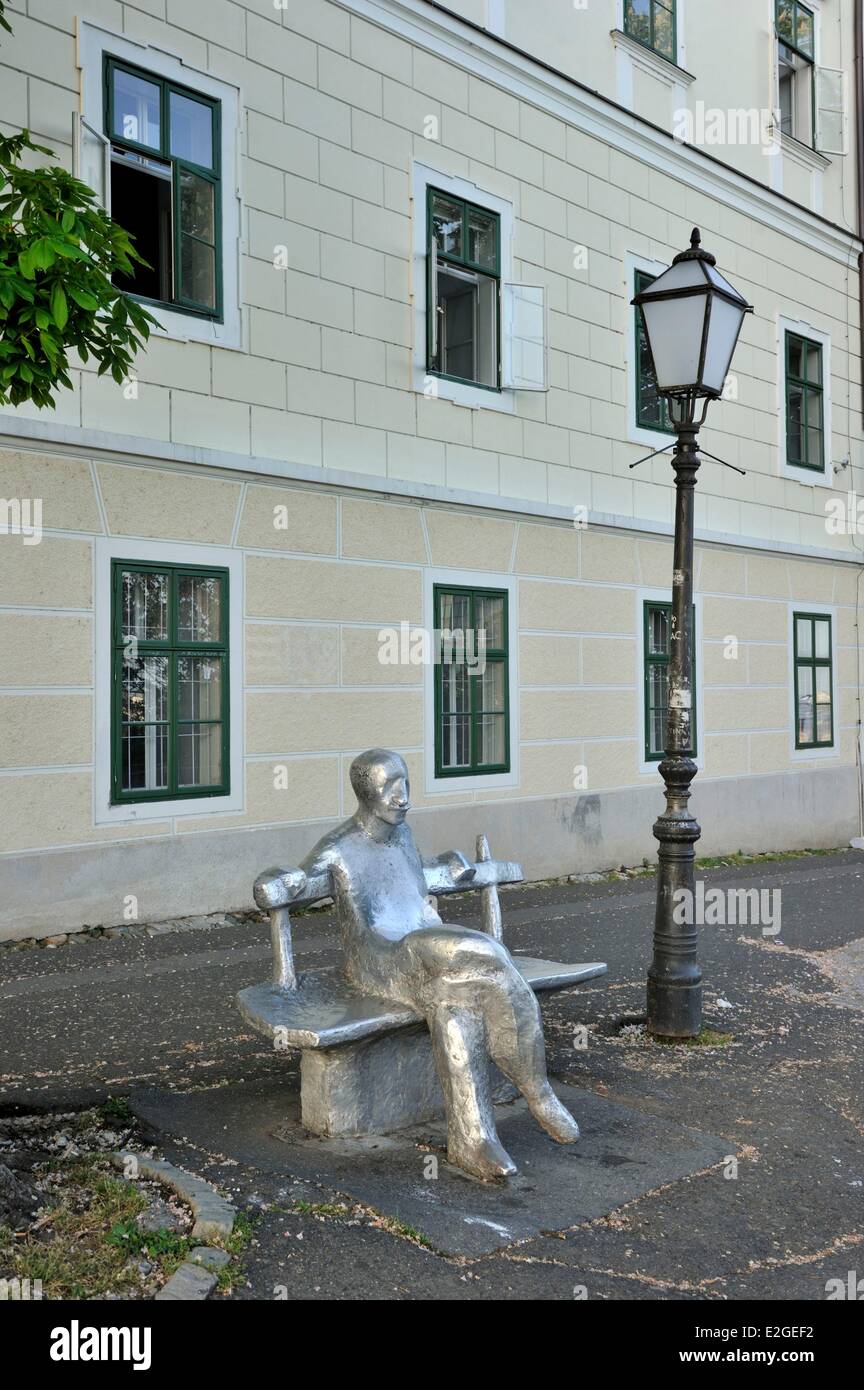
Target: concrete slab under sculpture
408,1028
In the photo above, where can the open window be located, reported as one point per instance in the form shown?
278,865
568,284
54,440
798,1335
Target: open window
164,186
482,330
811,99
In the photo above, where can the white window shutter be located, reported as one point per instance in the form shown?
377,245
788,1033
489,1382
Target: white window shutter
524,337
831,111
91,159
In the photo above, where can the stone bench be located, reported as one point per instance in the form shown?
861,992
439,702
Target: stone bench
366,1063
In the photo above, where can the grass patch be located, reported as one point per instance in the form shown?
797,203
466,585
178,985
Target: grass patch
734,861
708,1037
85,1242
116,1111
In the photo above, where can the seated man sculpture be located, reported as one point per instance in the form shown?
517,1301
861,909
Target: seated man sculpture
466,985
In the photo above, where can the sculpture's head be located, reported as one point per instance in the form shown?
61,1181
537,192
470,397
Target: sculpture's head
379,778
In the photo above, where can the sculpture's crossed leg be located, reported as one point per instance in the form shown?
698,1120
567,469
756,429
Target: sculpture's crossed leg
478,1005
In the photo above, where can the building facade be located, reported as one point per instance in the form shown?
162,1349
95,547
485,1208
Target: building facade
398,391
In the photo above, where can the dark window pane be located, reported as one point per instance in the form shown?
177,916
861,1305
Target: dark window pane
197,206
447,225
199,603
456,741
191,130
490,734
786,20
144,606
144,757
137,109
145,690
637,19
664,32
198,272
483,238
805,704
141,205
804,34
490,619
199,687
199,755
492,693
822,629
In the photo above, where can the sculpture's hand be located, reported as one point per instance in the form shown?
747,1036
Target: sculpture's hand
278,887
461,870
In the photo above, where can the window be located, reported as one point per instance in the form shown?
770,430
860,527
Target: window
805,431
464,260
165,187
170,682
652,22
814,683
658,627
796,70
472,728
652,411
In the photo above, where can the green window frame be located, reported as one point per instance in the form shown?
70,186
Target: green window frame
656,655
795,27
652,410
805,403
653,23
178,665
451,245
814,678
472,711
191,207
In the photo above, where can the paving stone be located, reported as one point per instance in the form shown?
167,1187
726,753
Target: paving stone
211,1259
191,1283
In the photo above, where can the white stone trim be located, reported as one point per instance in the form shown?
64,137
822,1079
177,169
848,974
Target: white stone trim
807,477
422,177
643,596
802,755
177,553
478,579
93,44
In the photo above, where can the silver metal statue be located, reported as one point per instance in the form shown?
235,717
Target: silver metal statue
463,982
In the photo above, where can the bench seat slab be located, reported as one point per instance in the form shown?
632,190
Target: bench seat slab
325,1011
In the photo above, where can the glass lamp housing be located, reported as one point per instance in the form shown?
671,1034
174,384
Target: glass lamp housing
692,318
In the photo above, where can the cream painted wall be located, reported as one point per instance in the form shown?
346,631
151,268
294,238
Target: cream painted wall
315,598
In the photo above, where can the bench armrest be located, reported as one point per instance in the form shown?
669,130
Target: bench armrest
276,891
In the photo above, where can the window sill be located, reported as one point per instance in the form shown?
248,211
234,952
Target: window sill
803,154
463,393
652,61
809,477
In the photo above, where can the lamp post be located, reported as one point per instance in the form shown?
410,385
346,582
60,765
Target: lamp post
692,318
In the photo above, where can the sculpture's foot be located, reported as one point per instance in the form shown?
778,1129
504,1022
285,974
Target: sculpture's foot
482,1158
554,1117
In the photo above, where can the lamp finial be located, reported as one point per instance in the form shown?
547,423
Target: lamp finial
695,238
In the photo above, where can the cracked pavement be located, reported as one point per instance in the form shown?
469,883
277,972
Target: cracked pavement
104,1017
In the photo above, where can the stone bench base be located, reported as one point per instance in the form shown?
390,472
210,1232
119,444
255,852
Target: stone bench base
367,1065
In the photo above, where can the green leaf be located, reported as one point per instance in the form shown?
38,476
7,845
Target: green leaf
59,305
83,299
67,222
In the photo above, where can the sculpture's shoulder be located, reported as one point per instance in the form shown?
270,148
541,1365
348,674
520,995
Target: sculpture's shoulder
329,852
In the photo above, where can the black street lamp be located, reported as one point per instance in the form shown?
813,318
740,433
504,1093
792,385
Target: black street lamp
692,319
